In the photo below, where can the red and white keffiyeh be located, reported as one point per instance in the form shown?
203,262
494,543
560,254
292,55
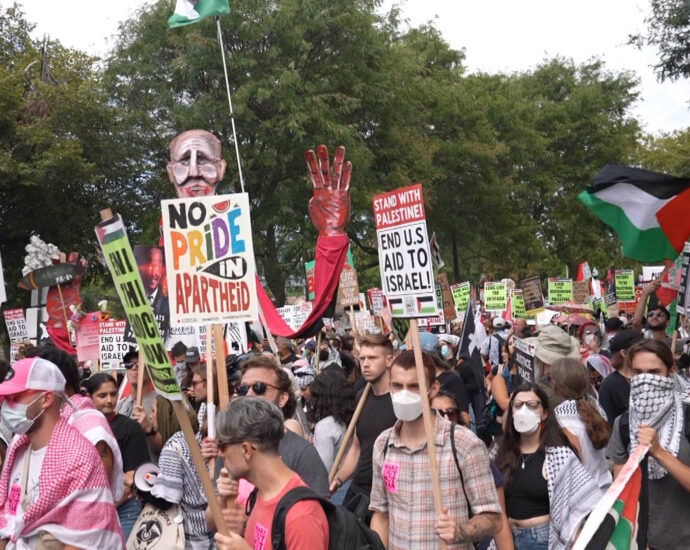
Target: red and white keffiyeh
75,503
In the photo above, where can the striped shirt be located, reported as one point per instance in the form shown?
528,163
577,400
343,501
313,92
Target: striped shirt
402,485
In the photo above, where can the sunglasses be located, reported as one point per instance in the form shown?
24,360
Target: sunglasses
532,405
659,314
258,388
449,413
130,365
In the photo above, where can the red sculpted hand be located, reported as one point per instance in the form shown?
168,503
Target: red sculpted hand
329,208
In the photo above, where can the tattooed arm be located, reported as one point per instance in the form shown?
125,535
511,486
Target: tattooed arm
479,527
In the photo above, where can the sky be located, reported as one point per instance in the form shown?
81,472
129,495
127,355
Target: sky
496,36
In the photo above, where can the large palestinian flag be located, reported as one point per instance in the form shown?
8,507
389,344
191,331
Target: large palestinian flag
648,210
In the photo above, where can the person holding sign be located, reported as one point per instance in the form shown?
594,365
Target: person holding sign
401,499
658,316
548,492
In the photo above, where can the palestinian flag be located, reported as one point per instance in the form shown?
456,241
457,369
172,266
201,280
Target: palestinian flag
192,11
647,210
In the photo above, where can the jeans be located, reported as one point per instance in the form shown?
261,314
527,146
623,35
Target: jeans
128,512
531,538
339,496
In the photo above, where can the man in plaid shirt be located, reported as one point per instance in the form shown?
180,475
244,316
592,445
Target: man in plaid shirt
402,496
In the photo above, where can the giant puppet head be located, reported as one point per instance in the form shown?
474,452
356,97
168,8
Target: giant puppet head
195,166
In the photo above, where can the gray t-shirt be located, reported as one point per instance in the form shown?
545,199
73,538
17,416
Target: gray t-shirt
328,434
300,456
669,503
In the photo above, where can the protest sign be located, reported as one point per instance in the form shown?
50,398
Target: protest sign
495,298
376,300
524,358
560,290
610,287
447,296
407,276
111,343
650,272
683,294
517,305
586,271
532,294
16,325
130,288
625,285
309,270
210,259
461,295
87,336
580,291
348,289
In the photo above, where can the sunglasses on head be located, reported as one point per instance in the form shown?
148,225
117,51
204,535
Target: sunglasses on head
450,412
258,388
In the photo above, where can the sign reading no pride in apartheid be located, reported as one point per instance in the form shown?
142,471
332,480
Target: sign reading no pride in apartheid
209,259
407,276
130,288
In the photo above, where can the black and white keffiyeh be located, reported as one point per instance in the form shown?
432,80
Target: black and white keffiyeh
655,402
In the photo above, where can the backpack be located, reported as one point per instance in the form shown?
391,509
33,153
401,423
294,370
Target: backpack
624,425
345,531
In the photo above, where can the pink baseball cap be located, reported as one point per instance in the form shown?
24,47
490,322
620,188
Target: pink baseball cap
32,373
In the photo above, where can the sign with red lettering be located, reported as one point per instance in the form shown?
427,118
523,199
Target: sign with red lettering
209,259
407,275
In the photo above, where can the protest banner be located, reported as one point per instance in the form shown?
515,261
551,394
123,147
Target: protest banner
559,290
16,325
461,295
580,291
376,300
407,276
651,272
119,257
524,358
517,305
87,337
210,259
625,285
348,289
309,270
610,287
495,296
449,312
111,343
683,294
532,294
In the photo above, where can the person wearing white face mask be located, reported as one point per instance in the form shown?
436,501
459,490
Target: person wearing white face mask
401,497
659,417
548,492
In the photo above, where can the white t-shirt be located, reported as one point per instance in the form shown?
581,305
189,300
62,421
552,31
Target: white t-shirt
15,490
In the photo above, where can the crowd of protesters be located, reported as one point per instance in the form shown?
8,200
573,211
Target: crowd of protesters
521,462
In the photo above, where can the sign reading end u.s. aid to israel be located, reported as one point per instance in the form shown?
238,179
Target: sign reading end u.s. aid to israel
209,259
407,276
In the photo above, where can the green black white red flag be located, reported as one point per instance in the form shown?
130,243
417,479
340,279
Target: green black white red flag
193,11
647,210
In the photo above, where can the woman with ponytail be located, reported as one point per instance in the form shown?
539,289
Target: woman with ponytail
581,417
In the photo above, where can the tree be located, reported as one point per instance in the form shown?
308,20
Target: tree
668,29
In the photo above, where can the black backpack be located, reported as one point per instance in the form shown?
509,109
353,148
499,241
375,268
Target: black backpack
345,531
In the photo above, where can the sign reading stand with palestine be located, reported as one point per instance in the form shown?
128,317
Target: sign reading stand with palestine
209,259
130,288
407,275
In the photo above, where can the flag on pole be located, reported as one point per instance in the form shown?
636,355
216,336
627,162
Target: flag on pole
436,259
192,11
647,210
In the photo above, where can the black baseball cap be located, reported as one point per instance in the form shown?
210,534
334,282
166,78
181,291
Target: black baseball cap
192,355
624,339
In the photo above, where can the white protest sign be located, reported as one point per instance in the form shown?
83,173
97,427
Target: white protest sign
111,343
407,275
209,259
16,325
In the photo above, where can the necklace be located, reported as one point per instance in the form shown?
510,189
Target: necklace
525,460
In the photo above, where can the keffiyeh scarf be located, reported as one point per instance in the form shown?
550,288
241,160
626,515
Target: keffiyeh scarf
655,402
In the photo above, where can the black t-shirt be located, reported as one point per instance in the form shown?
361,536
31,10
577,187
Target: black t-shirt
377,416
451,382
132,442
614,395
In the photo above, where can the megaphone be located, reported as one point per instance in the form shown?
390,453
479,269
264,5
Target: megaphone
145,477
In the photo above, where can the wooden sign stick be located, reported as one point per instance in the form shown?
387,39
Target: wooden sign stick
269,335
428,420
140,377
221,371
348,433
